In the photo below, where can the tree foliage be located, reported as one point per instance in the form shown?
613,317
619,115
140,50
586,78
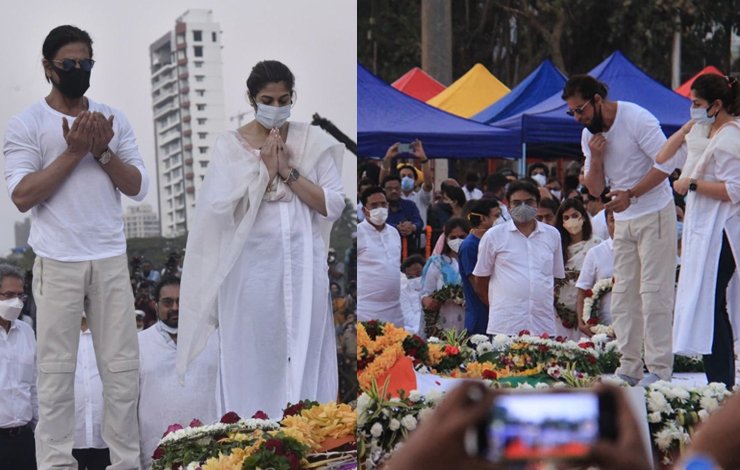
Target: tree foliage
512,37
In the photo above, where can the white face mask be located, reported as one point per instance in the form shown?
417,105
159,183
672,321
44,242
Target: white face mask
455,244
378,215
573,226
701,115
272,116
556,193
540,178
10,309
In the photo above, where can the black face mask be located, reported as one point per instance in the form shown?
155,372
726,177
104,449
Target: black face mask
597,123
73,83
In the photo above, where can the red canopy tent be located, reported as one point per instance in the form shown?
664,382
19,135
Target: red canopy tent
418,84
685,89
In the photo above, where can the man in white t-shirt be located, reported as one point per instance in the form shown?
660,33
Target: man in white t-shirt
68,159
378,262
620,142
518,262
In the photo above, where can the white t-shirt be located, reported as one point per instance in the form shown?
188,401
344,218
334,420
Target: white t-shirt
411,304
598,265
475,194
378,268
83,219
522,271
632,143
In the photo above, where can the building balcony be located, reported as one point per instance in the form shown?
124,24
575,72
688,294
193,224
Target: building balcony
190,189
183,61
185,104
183,76
182,46
185,90
189,175
180,27
188,147
187,133
188,161
187,118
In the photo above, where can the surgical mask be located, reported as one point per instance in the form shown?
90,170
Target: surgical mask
165,327
378,215
407,183
272,116
523,213
701,115
679,229
73,83
10,309
573,225
540,178
455,244
557,193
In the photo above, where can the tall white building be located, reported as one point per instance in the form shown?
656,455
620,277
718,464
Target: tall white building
188,105
140,222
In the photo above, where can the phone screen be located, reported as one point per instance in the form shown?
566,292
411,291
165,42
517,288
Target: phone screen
404,148
534,426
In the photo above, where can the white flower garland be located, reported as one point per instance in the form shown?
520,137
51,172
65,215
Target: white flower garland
591,304
243,425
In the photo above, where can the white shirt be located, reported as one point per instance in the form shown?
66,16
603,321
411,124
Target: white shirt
632,143
522,271
474,194
162,400
422,199
83,219
18,402
88,397
378,265
598,225
411,304
598,265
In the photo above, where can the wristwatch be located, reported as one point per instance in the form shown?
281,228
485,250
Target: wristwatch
633,198
292,176
105,157
692,184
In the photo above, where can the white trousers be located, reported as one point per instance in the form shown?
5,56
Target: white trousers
102,288
642,296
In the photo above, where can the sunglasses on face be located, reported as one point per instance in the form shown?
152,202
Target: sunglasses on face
68,64
578,110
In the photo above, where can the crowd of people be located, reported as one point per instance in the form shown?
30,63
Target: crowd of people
252,328
641,221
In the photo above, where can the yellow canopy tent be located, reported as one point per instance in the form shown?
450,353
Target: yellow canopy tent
471,93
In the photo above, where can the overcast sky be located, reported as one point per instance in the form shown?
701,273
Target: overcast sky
316,39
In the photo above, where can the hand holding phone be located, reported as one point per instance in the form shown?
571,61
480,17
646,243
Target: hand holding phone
405,148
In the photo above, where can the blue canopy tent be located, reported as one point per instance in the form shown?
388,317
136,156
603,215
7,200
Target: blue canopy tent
386,115
547,125
539,85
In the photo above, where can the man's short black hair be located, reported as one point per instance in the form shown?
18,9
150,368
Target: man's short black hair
369,192
550,203
481,206
412,260
166,281
585,86
521,185
390,178
495,182
539,165
471,177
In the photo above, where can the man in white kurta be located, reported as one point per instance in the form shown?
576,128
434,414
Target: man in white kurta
521,258
378,263
162,399
256,268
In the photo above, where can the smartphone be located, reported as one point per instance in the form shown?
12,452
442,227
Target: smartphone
543,425
405,148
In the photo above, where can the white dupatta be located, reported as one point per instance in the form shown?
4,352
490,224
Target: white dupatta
225,212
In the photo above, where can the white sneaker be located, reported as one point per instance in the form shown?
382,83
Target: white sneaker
648,379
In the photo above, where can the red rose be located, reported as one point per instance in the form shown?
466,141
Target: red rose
592,360
293,409
172,428
589,293
586,345
543,348
560,339
230,418
451,350
545,336
524,332
490,375
293,461
260,415
275,445
158,453
593,321
195,423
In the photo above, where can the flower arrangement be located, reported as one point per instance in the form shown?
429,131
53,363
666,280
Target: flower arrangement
565,290
674,410
260,442
591,306
449,292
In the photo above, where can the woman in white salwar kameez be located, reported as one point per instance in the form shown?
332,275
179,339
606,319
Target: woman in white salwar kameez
255,264
576,234
705,313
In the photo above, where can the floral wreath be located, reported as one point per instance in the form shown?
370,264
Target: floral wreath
567,315
451,292
592,300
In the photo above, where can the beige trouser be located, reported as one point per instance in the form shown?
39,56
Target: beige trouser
103,289
645,263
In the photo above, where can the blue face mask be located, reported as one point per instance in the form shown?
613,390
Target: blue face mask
407,183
